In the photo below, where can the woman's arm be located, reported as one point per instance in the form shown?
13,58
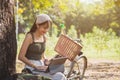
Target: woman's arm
46,61
27,41
43,56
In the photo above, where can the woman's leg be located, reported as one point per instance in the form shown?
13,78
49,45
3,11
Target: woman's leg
59,76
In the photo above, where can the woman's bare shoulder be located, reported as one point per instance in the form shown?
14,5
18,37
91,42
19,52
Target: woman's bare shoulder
28,37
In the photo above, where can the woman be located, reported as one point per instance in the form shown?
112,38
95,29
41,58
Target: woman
33,47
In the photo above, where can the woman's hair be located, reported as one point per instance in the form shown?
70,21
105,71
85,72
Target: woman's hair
34,27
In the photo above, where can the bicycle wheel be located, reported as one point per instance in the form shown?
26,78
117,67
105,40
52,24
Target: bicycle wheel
77,69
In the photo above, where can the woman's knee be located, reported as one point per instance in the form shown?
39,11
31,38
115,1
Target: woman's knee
59,76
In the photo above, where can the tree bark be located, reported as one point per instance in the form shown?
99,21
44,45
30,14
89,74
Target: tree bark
8,46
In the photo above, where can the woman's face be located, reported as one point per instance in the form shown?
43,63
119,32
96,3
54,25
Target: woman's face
43,29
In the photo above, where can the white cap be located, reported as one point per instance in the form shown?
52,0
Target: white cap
41,18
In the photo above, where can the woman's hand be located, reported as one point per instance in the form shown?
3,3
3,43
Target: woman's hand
42,68
46,62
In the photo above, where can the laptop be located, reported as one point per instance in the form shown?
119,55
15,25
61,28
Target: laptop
57,61
54,62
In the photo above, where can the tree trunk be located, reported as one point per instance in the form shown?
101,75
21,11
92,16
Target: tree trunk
78,32
8,46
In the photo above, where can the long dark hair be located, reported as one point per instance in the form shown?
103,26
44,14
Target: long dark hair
34,27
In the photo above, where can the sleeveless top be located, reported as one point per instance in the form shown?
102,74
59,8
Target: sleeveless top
35,49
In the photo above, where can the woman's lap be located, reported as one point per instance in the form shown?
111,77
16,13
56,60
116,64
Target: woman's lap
56,76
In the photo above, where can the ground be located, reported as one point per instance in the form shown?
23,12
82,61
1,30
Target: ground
96,70
103,70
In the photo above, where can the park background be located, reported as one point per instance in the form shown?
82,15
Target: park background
95,22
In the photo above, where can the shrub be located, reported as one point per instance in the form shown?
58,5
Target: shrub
101,42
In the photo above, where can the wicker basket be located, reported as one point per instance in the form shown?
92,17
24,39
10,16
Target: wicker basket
67,47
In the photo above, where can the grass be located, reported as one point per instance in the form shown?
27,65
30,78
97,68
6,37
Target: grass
89,52
106,56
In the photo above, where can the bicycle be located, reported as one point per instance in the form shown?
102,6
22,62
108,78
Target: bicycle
71,49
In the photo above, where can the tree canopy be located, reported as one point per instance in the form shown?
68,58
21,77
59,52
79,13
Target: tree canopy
83,14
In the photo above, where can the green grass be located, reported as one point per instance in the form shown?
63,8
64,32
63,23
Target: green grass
19,41
106,56
88,49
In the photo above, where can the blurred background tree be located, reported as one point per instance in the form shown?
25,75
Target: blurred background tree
83,14
97,22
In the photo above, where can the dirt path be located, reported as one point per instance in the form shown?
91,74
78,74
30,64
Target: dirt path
96,70
103,70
